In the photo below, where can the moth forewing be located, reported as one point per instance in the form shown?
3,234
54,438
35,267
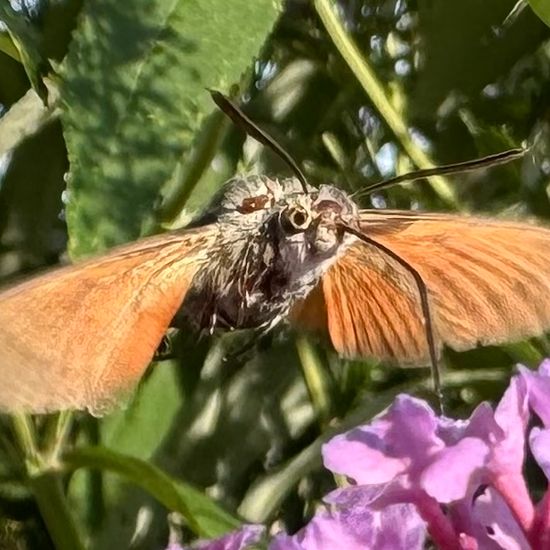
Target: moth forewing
488,282
81,336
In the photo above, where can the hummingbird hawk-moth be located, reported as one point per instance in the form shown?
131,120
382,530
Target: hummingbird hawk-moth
394,285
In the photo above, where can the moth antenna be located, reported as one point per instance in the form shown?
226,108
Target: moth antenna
253,130
424,304
456,168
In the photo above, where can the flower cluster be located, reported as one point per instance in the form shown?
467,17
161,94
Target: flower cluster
247,536
413,473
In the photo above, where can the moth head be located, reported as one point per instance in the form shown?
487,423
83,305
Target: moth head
304,229
309,225
305,225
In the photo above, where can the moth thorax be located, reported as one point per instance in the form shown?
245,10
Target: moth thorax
274,244
254,289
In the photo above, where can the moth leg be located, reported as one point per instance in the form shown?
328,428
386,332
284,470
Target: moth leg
165,350
257,335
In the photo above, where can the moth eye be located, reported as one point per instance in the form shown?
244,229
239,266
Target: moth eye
295,219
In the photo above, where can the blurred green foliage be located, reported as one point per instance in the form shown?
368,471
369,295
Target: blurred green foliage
133,144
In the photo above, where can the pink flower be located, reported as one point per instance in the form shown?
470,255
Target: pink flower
464,477
247,536
356,527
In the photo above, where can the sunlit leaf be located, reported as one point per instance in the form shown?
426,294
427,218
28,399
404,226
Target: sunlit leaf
135,83
8,47
542,9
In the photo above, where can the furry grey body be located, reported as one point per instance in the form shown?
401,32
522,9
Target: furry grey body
274,243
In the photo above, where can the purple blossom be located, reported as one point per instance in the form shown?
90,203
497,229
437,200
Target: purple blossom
357,527
464,477
538,387
242,539
500,525
408,449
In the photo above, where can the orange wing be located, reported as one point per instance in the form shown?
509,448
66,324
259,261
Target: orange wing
488,282
78,337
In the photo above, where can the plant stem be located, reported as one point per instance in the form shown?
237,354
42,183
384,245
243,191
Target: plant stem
440,528
316,378
513,490
25,434
49,495
45,484
201,157
374,89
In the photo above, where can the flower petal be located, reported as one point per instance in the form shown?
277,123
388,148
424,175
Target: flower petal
454,470
512,415
361,455
544,368
245,537
539,442
282,541
327,531
538,388
377,453
493,513
396,527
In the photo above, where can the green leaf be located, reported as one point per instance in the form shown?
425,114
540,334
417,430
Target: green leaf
139,429
542,9
203,515
135,97
8,47
26,117
25,39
